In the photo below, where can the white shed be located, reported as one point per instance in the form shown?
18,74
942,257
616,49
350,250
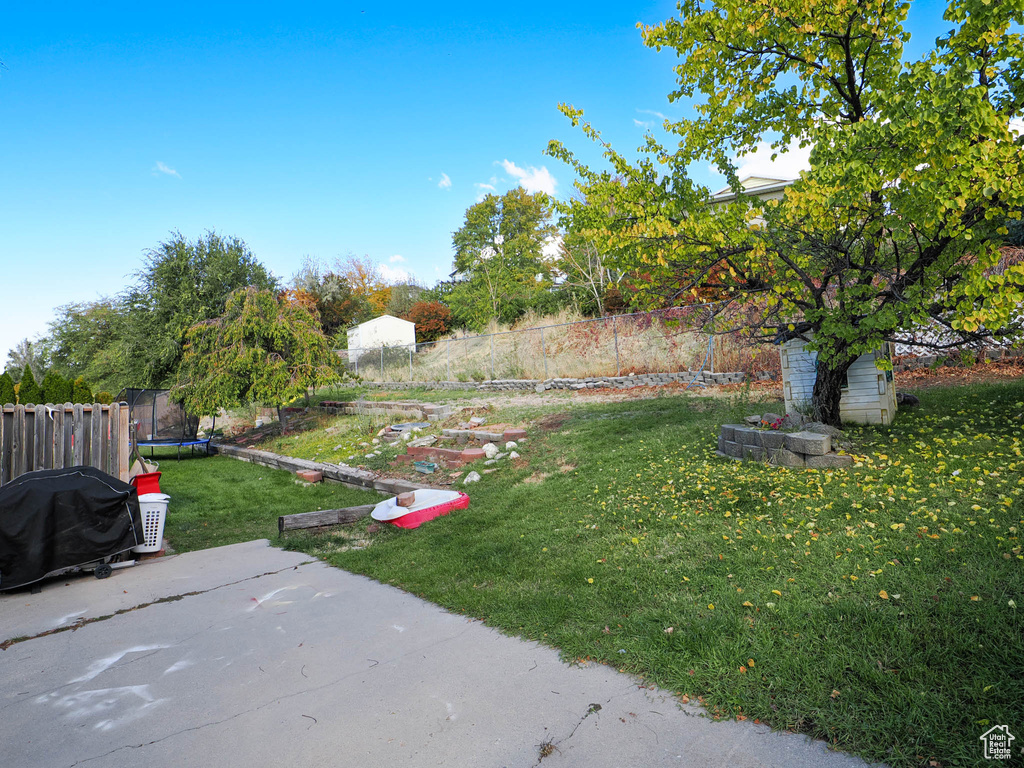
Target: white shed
869,396
383,331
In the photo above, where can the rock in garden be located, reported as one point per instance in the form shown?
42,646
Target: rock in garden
510,445
792,420
753,420
490,450
823,429
513,455
472,477
903,400
771,418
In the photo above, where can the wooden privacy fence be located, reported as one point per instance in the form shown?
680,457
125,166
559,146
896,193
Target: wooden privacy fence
56,436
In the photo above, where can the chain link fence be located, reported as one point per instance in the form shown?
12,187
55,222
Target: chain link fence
668,340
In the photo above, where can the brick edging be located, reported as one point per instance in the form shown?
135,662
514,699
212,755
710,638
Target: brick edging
350,476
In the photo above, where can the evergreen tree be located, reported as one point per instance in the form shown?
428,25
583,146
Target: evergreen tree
81,392
56,389
29,391
6,388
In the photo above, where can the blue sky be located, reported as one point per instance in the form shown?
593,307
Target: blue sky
306,129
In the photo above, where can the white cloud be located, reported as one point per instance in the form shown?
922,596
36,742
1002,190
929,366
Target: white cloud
641,123
531,179
394,274
445,182
652,112
482,189
787,165
397,259
161,168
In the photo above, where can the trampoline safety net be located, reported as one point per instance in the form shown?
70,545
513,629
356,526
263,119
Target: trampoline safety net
157,418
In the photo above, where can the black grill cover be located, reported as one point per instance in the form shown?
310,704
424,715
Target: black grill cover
61,518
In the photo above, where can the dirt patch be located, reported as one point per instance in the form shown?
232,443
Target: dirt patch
566,468
552,422
536,478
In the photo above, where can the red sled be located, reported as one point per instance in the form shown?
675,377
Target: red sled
429,503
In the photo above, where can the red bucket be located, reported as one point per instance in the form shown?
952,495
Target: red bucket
147,482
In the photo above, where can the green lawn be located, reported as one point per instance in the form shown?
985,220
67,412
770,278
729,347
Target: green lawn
216,500
874,607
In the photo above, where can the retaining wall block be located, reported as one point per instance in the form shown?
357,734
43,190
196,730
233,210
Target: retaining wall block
734,449
750,437
829,460
729,431
809,443
782,457
754,453
772,440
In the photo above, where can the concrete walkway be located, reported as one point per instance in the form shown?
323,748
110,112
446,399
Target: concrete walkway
250,656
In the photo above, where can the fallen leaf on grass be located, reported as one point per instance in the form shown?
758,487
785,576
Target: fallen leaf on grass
883,594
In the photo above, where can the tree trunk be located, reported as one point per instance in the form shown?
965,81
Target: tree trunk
282,418
828,390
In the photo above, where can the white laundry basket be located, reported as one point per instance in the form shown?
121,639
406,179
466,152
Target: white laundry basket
154,515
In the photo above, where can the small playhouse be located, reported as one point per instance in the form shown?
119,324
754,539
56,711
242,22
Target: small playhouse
869,396
383,331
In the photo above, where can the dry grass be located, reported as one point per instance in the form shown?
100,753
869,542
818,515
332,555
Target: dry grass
569,346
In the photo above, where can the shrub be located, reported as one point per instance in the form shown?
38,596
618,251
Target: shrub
29,391
433,320
56,389
105,398
81,393
6,389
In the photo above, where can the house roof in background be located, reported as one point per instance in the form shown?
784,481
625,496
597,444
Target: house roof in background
752,185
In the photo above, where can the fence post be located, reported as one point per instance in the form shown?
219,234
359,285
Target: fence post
448,359
615,332
544,349
382,362
411,347
492,357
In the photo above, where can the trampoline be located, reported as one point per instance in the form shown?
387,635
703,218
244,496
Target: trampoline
160,422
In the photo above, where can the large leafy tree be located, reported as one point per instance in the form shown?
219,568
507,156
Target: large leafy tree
267,347
365,278
338,304
181,284
914,170
499,255
94,340
28,355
